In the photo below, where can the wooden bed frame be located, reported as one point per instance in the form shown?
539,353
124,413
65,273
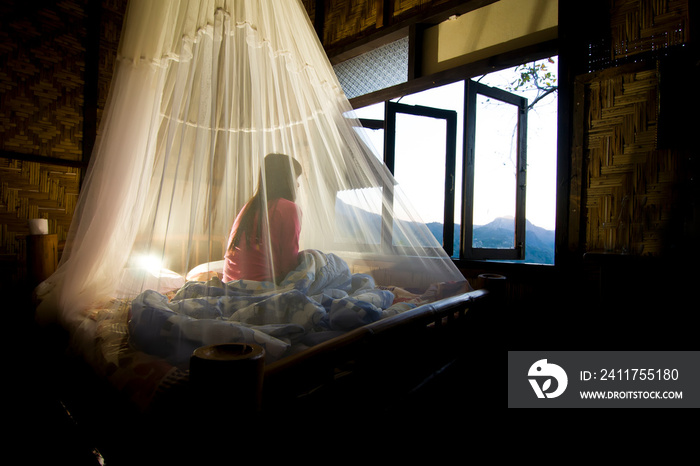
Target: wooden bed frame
375,366
394,354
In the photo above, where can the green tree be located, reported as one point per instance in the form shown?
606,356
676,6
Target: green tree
537,76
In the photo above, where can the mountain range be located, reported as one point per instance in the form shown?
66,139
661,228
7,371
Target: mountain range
539,242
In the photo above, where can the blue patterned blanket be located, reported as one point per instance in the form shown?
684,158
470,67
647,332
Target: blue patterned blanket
318,300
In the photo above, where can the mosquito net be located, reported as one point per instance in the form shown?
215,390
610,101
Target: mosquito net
230,194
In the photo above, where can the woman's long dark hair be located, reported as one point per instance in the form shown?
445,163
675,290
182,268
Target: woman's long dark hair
280,174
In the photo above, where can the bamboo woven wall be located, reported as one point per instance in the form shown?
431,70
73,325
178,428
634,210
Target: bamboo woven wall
640,26
402,7
345,20
42,62
629,181
36,190
42,105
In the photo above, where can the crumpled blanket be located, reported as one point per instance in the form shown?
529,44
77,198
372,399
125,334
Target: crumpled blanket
318,300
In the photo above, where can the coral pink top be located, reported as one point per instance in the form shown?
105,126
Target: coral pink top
251,262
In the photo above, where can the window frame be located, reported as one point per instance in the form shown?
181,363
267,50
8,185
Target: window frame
450,118
467,250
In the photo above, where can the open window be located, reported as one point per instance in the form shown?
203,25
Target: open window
495,172
503,187
420,152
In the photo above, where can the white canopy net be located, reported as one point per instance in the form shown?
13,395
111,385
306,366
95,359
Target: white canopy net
202,92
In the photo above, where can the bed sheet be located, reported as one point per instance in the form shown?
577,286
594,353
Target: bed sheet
142,346
318,300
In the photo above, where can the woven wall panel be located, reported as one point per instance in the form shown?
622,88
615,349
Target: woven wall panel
35,190
402,7
629,182
346,20
42,59
642,26
42,69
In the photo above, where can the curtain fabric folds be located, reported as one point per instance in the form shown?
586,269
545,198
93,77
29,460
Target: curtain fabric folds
202,91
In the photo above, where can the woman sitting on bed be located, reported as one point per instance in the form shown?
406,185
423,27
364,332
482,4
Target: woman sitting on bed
263,246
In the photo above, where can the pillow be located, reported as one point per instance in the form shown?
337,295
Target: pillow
204,272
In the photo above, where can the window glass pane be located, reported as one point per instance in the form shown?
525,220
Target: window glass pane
419,169
495,170
541,151
447,97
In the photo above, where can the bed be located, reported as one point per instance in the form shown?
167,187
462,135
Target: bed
326,336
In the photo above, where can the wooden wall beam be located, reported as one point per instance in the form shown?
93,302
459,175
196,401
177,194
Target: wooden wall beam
43,159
